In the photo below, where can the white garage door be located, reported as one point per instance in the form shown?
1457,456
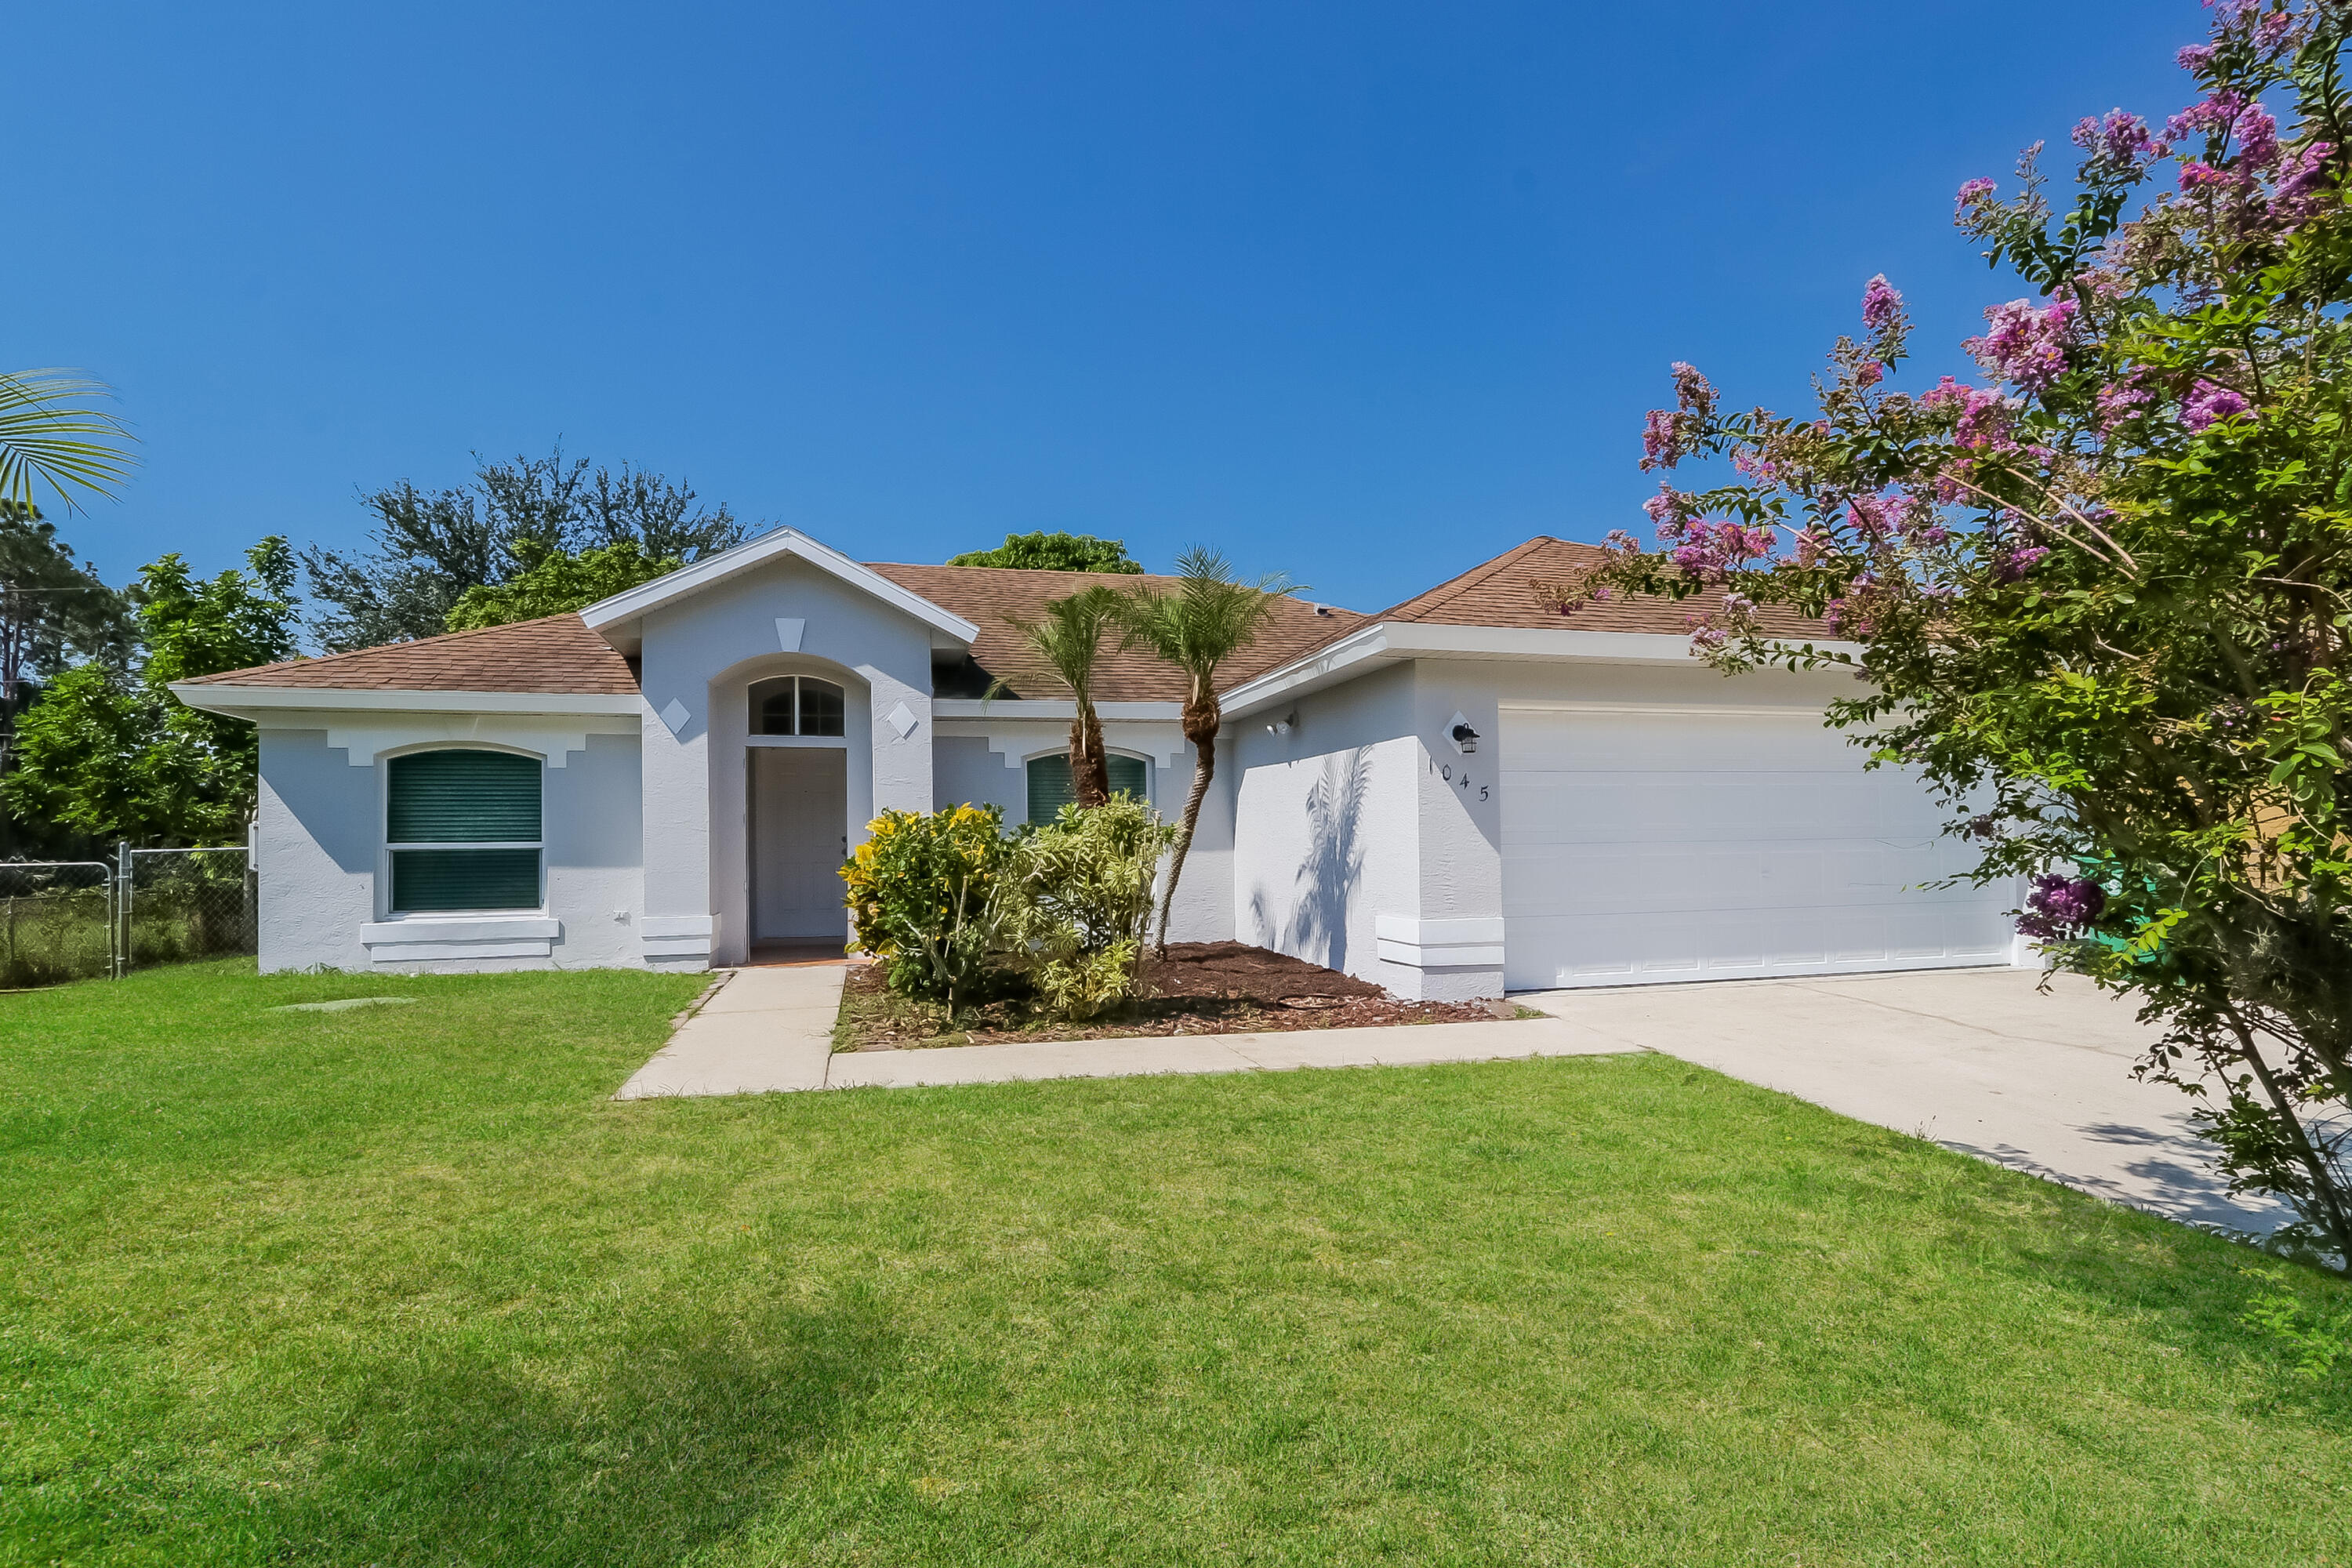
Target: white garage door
1659,845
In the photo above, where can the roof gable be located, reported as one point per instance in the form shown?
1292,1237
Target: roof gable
712,570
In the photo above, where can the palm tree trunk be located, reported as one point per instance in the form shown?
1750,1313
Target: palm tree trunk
1204,736
1089,763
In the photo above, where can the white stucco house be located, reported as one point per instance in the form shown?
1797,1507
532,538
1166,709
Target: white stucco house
1464,793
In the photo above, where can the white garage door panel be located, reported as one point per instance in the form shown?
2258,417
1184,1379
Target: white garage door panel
1673,847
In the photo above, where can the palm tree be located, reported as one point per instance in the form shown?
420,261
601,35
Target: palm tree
48,432
1068,640
1211,617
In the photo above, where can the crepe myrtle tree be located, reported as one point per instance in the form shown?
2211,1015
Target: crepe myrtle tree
2100,597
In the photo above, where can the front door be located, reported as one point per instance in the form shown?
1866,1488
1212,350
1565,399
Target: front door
800,810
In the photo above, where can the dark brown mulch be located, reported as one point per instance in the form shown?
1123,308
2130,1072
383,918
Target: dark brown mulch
1200,988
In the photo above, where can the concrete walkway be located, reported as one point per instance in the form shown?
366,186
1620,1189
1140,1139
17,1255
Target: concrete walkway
1975,1059
1409,1045
765,1028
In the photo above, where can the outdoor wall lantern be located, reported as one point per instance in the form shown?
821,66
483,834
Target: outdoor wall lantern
1283,725
1466,739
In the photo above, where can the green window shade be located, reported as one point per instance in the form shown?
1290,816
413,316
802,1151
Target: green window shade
1050,788
464,797
425,879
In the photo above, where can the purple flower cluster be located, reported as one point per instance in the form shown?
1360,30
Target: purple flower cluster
1711,549
2210,402
1985,415
2195,57
2060,906
2012,566
2121,140
2302,182
1970,192
2024,345
1668,436
2119,404
1882,307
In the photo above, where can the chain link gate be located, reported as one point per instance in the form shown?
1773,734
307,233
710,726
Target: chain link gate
79,920
174,905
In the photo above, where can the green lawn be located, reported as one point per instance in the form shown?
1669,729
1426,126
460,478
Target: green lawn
403,1284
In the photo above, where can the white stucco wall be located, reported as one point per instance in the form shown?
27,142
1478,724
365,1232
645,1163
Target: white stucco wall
317,837
704,652
1330,826
323,902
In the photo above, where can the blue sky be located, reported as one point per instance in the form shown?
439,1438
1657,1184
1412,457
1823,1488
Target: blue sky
1365,292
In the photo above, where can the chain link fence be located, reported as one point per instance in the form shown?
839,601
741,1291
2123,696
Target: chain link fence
76,920
57,922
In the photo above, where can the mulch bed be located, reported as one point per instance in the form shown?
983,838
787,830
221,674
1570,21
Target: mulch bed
1200,988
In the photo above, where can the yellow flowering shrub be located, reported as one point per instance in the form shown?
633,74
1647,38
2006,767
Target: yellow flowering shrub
920,890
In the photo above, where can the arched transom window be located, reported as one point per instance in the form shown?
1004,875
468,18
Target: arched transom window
797,705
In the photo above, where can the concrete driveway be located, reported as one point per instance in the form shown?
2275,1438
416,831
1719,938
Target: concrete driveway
1977,1059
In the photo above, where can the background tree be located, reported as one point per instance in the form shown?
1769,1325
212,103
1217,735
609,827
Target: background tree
557,584
51,434
54,610
432,549
1052,553
1067,639
1198,626
111,755
2103,601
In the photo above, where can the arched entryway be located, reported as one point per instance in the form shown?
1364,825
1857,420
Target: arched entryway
797,789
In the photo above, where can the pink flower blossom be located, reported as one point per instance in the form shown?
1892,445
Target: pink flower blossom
1881,305
2209,404
2202,177
2025,345
2195,57
2060,906
1971,192
1869,373
1691,393
2212,116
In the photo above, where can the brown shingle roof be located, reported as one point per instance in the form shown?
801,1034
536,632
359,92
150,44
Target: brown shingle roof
556,654
1504,592
986,595
560,654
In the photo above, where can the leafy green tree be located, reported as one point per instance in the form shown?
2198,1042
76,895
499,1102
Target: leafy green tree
50,433
1052,553
2103,600
1067,639
1198,626
432,548
557,584
53,609
116,756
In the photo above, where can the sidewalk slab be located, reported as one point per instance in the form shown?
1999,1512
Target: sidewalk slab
766,1029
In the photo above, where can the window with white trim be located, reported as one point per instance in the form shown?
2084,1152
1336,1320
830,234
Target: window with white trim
1050,786
797,705
464,831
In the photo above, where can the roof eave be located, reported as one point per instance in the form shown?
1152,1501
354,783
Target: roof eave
1390,642
256,702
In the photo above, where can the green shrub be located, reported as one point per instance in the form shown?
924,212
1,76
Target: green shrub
1073,906
922,889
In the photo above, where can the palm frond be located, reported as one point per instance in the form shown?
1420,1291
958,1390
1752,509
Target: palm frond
51,433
